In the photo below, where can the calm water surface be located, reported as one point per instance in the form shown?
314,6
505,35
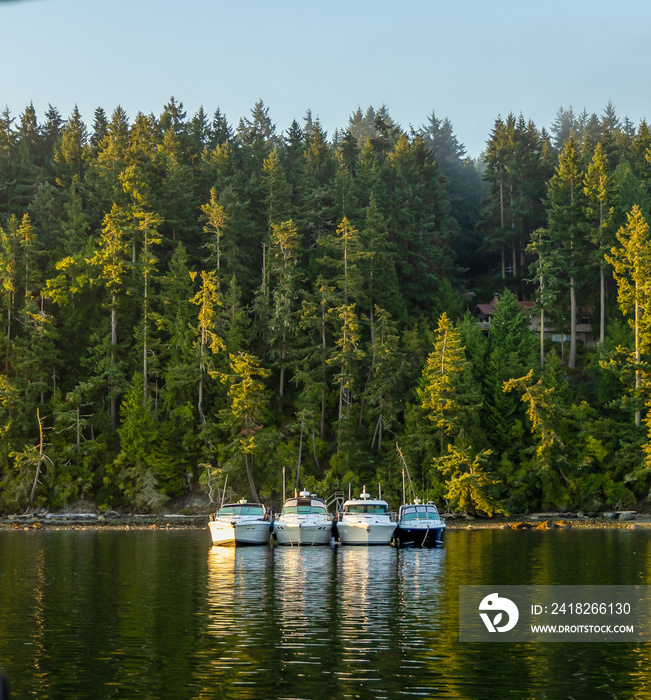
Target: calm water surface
155,614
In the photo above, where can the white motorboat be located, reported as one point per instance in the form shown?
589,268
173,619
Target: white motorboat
365,521
419,525
304,520
240,523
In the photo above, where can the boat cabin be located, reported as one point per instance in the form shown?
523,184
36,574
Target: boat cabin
256,509
366,507
419,512
305,506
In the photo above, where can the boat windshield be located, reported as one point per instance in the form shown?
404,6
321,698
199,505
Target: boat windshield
304,508
366,508
420,513
242,509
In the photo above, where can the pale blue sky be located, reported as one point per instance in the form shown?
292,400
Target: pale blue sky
469,60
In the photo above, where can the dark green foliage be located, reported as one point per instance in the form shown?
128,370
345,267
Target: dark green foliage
310,273
145,470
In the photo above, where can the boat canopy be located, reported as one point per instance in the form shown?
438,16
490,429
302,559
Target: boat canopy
241,509
419,512
304,506
366,507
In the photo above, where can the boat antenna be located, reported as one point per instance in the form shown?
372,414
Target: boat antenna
405,468
300,453
284,499
224,492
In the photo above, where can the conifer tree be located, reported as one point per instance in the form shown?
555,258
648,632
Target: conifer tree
9,270
510,354
69,151
369,181
550,452
177,201
344,191
50,133
291,156
215,217
218,168
258,137
631,262
278,202
23,150
103,174
220,130
276,189
177,319
566,227
208,300
419,222
112,260
283,327
317,211
140,467
598,192
451,400
198,132
100,129
447,392
346,355
545,270
312,374
469,485
239,254
247,413
495,214
379,401
341,264
378,265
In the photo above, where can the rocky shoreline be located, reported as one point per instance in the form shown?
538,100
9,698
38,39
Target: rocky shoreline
174,521
93,521
557,521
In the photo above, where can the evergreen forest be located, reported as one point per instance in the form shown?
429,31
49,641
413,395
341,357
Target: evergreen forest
193,306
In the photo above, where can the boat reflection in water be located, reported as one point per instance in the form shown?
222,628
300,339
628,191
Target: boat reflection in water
235,654
320,621
306,623
238,579
366,606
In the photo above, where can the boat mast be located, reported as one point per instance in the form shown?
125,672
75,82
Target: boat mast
405,468
298,464
224,493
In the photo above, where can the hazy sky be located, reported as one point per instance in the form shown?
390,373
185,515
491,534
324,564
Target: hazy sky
468,60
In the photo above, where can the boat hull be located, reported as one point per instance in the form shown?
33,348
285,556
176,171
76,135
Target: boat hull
239,534
303,534
362,533
419,536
